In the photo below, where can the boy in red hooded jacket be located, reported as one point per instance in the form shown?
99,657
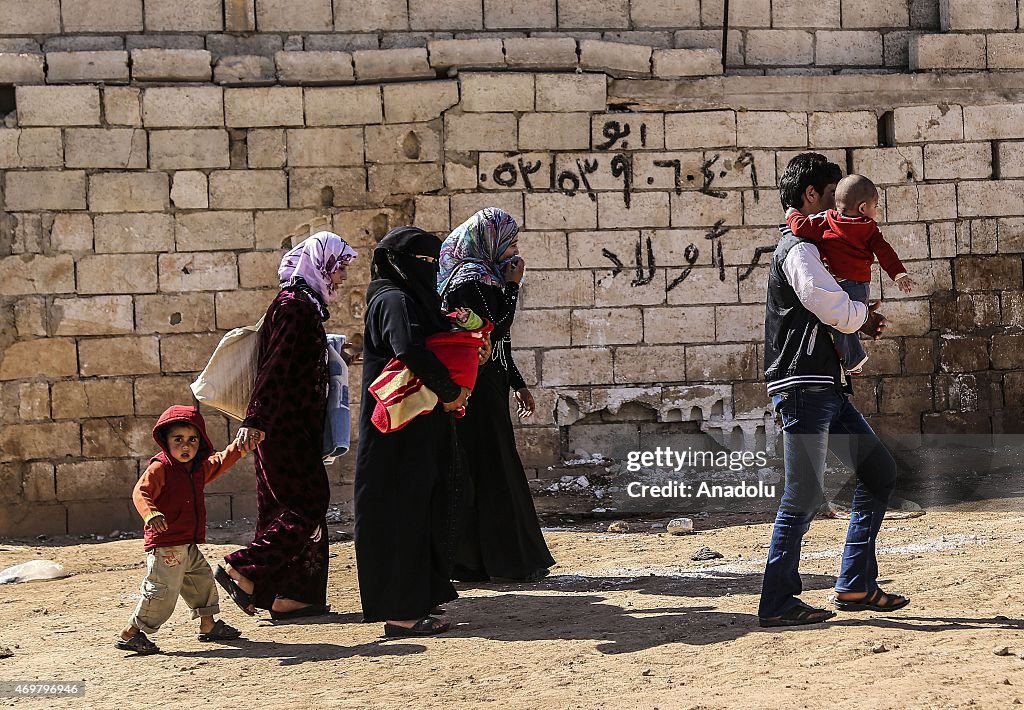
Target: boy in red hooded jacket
849,240
169,497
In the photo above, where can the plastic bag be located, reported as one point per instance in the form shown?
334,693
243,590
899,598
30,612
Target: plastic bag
227,380
32,571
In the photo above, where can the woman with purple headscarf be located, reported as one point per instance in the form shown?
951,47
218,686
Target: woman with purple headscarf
284,568
480,268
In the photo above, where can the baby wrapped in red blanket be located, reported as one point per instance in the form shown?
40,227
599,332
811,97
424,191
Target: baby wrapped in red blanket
401,396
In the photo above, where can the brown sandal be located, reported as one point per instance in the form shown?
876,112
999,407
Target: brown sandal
870,602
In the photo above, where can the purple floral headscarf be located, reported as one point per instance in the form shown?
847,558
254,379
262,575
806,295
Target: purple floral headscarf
315,260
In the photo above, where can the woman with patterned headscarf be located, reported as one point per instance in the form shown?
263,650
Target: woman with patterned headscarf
481,269
404,489
284,568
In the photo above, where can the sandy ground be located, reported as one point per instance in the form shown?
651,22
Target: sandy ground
625,620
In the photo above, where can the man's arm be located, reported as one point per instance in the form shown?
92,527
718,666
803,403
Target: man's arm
818,291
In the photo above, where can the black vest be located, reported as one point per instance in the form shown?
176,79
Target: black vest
798,348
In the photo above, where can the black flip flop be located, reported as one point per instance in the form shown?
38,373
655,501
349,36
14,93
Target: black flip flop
240,597
139,643
219,632
797,616
427,626
870,602
310,610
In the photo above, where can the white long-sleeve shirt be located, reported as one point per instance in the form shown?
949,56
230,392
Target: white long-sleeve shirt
819,292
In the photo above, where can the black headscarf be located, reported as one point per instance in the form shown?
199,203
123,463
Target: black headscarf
395,265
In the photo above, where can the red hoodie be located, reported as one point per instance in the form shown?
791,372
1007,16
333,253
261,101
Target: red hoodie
849,244
174,489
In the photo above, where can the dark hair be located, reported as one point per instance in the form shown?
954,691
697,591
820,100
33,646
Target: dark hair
803,171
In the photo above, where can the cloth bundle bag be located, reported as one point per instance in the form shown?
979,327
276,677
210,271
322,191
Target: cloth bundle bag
227,380
401,396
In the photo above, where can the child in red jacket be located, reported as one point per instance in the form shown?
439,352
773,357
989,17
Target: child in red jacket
169,497
849,240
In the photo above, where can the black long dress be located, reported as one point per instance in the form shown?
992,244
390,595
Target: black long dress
500,535
403,503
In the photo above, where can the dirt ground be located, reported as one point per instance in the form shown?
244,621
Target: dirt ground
625,621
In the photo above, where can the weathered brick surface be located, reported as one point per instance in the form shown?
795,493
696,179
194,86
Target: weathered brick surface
43,357
21,68
45,190
343,106
314,67
171,65
185,15
186,107
81,67
97,315
58,105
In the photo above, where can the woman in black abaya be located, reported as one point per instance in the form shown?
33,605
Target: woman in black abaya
403,487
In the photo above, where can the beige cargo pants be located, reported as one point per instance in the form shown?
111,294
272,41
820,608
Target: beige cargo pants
172,572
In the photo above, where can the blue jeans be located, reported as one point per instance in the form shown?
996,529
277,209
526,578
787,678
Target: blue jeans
851,352
815,420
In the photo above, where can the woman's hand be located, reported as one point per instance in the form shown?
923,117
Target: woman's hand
459,401
485,349
527,405
248,438
350,353
514,271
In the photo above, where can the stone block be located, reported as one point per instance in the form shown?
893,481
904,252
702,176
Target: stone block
142,232
122,106
58,105
71,232
646,209
153,393
128,192
702,285
1005,51
188,15
520,14
553,131
256,107
721,363
110,16
214,231
123,436
31,148
188,352
794,13
466,204
314,67
771,128
388,64
37,359
843,129
199,271
886,166
781,48
849,49
325,146
605,326
949,51
994,122
540,52
44,190
23,68
248,189
483,53
327,187
83,67
695,324
96,480
272,228
955,161
677,63
615,58
624,289
481,131
594,14
294,16
21,442
906,395
576,366
172,65
556,210
959,15
266,148
691,209
30,17
359,16
547,328
96,315
920,124
649,364
875,13
84,399
343,106
189,149
34,273
411,103
238,308
124,273
184,107
408,179
995,198
669,14
699,130
119,148
174,313
119,356
450,15
485,92
245,70
570,92
397,143
987,273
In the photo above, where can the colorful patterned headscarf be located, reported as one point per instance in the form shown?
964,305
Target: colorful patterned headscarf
315,260
471,251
